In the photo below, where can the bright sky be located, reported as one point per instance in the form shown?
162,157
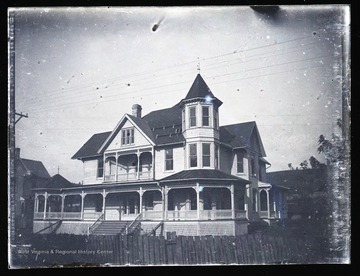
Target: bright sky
78,70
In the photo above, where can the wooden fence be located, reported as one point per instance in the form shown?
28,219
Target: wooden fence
65,250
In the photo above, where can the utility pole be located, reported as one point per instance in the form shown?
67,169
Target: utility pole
21,115
11,129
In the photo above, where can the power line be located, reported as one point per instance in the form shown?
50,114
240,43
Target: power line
247,70
190,62
157,93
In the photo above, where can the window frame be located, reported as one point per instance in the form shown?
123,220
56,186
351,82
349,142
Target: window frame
127,136
192,116
98,175
208,156
206,107
193,156
240,161
169,159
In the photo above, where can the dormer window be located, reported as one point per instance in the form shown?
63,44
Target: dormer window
240,162
127,136
100,167
192,116
205,116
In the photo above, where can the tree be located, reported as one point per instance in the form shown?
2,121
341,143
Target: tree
315,164
304,165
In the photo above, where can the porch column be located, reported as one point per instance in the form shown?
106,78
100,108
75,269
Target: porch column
35,203
165,201
116,164
138,165
62,205
104,198
141,199
45,204
153,162
274,202
198,200
268,202
232,201
82,205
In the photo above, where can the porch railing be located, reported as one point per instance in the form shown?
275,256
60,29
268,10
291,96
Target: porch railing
152,215
58,215
132,226
92,216
129,176
215,214
182,215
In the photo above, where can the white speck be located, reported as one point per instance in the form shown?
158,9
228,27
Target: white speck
304,74
29,73
267,37
46,10
304,53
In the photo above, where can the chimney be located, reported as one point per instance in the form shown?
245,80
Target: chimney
136,110
17,153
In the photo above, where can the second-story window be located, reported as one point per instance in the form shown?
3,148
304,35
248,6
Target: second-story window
100,167
252,167
205,116
127,136
169,161
183,119
192,116
193,155
206,155
240,162
216,163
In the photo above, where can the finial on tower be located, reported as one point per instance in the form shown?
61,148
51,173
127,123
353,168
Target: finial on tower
198,65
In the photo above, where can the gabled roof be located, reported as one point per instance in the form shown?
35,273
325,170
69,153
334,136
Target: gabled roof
91,147
166,125
137,122
239,135
203,174
57,181
36,168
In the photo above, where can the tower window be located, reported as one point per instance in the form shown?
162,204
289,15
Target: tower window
206,155
215,118
192,116
216,165
193,155
205,116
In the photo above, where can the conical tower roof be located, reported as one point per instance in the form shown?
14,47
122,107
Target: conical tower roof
199,90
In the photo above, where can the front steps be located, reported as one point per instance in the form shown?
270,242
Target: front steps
110,227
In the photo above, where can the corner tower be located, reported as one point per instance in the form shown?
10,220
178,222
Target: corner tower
200,126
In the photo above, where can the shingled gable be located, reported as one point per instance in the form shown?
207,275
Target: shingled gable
165,125
138,123
239,135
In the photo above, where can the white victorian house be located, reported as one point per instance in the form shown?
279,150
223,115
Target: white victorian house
174,169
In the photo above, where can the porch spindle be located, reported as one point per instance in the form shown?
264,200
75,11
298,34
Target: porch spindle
165,202
140,200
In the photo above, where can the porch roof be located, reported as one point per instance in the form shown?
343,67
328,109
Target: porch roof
99,186
203,174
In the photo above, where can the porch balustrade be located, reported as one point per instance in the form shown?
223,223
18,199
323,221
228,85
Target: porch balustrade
151,215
